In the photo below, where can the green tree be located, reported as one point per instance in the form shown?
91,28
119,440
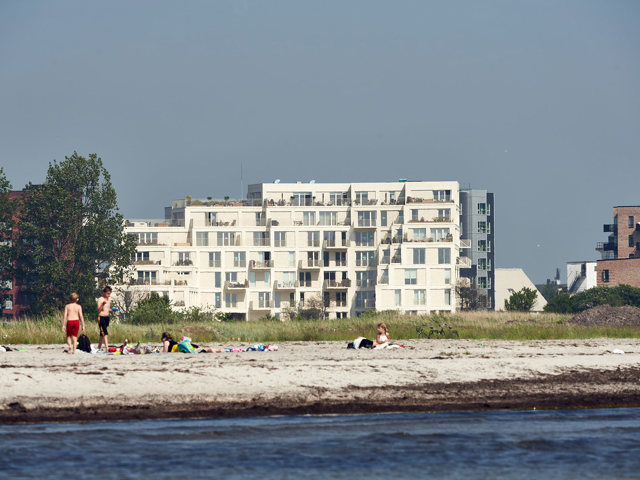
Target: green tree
7,212
521,301
561,303
154,309
71,234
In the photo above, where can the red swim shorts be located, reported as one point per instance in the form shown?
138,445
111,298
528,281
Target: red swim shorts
73,327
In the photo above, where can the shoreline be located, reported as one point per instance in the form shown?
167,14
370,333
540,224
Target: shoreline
45,385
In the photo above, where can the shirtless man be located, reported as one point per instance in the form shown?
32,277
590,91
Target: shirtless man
104,308
71,321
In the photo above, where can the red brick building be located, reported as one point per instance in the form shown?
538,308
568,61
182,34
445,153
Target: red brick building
620,263
12,308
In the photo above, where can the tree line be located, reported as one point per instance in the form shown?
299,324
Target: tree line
64,235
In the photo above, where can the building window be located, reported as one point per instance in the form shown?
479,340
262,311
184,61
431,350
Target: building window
419,257
419,234
147,278
226,239
364,239
365,259
365,300
447,296
366,218
202,239
231,277
410,276
142,256
605,276
482,227
147,238
444,256
441,234
419,297
292,259
301,199
447,276
482,245
217,279
383,218
309,218
341,259
260,239
362,198
482,209
444,214
239,259
231,300
218,300
482,282
365,279
313,239
328,218
631,221
414,215
214,259
482,264
631,244
442,195
279,239
398,298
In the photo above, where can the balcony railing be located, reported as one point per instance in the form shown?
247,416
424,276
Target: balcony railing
236,285
260,305
309,264
335,244
336,284
464,262
256,265
289,285
465,243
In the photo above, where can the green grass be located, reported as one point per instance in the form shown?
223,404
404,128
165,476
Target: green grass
470,325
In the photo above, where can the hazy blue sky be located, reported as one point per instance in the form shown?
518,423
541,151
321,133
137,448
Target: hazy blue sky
536,101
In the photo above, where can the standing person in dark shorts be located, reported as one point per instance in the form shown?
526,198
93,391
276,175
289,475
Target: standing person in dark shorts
71,321
104,308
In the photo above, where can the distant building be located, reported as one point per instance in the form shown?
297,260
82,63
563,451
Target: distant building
477,241
620,262
351,247
581,276
510,280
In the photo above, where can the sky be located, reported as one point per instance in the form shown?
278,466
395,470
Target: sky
535,101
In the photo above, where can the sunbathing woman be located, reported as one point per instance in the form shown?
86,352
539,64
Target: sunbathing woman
169,345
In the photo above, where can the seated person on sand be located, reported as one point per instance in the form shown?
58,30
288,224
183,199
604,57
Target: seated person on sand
382,339
169,345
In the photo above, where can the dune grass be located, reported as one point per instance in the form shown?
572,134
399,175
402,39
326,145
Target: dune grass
469,325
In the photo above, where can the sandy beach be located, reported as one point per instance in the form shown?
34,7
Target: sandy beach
44,384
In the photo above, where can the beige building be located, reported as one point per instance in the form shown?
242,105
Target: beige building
510,280
349,246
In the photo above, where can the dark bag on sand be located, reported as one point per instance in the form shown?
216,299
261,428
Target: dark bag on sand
84,344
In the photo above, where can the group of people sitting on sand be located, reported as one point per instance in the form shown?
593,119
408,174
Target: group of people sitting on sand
73,318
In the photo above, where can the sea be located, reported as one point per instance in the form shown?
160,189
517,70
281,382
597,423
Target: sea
544,444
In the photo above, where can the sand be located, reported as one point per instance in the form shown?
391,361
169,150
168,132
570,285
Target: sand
44,384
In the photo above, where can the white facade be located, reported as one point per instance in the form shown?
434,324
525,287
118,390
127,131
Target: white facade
581,276
353,246
510,280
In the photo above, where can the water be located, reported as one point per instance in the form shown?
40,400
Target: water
558,444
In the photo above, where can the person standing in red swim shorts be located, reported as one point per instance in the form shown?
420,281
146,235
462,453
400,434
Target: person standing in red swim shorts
71,321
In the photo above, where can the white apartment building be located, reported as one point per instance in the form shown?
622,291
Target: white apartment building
353,246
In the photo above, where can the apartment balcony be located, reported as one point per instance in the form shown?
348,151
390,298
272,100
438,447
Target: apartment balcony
463,262
236,285
337,244
385,260
148,262
365,224
309,264
396,259
256,265
605,247
261,242
290,285
336,284
465,243
383,280
183,263
610,228
260,305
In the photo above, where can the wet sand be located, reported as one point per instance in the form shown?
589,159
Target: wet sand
44,384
